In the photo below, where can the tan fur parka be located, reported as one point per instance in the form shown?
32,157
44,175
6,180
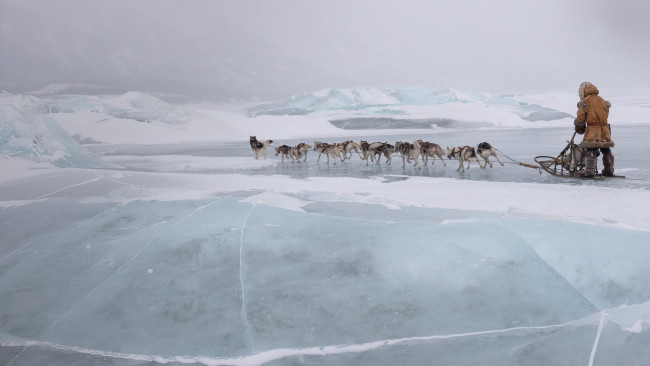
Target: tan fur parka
591,119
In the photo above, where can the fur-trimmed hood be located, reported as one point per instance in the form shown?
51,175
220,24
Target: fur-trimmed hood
586,89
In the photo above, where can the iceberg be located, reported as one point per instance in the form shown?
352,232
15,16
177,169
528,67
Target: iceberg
27,132
138,106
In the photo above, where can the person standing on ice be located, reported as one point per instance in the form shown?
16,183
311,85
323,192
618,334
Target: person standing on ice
591,121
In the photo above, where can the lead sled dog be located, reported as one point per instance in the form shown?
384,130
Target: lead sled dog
259,147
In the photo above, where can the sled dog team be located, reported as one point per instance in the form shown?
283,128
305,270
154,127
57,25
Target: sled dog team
407,151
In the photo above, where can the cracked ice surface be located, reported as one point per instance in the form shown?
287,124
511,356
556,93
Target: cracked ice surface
247,277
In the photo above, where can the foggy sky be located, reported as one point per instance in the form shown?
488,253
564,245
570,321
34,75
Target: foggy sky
273,49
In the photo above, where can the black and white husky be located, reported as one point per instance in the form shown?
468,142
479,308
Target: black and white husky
485,150
462,154
259,147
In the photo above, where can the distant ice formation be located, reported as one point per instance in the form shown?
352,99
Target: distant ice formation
26,132
364,98
138,106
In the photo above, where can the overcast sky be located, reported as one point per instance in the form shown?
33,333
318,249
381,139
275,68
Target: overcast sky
281,47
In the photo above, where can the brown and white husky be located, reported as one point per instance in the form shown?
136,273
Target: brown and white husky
290,152
327,149
431,150
348,147
303,149
374,151
408,151
259,147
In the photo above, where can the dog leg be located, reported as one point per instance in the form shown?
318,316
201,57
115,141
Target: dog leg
479,163
441,159
388,158
416,161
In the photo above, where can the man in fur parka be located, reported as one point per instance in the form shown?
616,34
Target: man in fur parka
591,121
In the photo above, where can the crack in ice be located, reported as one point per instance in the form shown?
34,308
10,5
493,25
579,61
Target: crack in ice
261,358
600,330
96,179
241,279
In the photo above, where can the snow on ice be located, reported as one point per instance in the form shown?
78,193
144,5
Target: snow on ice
136,231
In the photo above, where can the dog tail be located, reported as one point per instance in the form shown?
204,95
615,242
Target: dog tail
416,143
267,143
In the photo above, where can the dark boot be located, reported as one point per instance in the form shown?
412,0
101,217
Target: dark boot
590,167
608,162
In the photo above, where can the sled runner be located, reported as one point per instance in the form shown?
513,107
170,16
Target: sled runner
569,163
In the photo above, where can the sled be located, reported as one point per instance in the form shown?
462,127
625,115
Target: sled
568,163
